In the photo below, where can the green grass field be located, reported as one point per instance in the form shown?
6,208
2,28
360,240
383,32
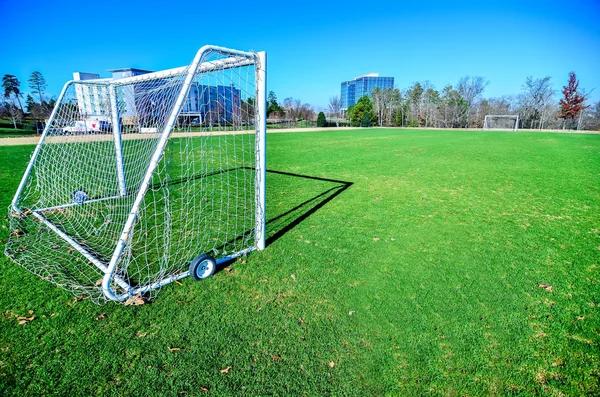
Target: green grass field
399,263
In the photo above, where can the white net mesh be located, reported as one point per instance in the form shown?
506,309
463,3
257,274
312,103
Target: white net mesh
201,196
501,122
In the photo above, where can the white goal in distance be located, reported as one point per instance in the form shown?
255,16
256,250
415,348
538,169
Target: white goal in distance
501,122
140,181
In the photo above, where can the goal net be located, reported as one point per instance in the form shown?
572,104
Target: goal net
135,177
501,122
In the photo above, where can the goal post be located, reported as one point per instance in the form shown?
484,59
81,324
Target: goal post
140,181
501,122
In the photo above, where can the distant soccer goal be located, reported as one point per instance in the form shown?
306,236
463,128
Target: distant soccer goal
501,122
140,181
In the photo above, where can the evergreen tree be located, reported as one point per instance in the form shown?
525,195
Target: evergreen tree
12,85
272,105
37,83
362,113
29,103
321,120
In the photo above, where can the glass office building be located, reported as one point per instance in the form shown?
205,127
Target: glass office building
212,105
353,90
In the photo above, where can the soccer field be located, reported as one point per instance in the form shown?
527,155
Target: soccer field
399,262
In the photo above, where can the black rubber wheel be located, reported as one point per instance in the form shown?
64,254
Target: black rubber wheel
203,266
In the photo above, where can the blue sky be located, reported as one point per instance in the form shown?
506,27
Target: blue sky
312,46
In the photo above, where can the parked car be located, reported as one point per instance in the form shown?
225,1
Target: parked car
86,126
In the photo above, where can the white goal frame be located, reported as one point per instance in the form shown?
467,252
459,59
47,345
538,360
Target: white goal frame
505,116
111,278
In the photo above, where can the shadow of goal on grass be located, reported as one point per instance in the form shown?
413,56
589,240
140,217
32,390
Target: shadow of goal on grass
292,198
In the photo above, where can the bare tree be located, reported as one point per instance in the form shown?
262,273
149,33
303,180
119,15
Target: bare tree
471,88
307,112
335,107
400,103
378,100
41,112
452,107
415,98
536,100
593,117
395,99
502,105
431,99
385,103
291,108
295,110
9,110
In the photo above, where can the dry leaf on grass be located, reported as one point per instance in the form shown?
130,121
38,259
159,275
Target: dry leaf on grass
140,334
173,349
547,287
228,269
375,238
135,300
276,358
25,320
98,282
79,298
101,316
204,388
331,364
293,276
226,370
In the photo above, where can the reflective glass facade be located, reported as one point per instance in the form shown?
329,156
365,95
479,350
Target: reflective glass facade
353,90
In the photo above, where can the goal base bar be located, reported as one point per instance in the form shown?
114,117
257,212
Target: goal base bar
108,277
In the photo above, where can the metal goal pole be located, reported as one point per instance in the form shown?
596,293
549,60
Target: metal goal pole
261,150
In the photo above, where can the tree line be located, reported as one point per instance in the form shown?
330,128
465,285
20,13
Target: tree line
420,105
463,106
37,106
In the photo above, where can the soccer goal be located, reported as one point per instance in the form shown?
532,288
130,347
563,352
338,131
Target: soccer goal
139,181
501,122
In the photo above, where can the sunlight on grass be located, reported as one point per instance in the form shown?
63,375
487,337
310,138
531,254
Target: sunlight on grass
399,263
